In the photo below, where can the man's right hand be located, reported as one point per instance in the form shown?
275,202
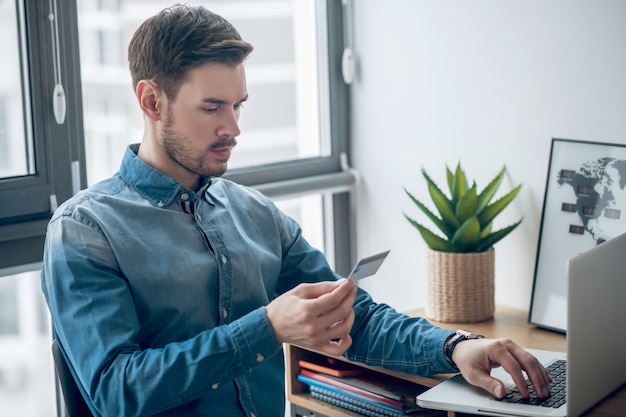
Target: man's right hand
317,316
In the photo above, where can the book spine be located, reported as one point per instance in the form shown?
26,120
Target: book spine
350,388
349,397
344,401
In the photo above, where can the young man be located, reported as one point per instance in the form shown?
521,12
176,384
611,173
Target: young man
172,290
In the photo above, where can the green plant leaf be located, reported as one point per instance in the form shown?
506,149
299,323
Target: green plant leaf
496,236
450,181
441,225
442,203
489,191
466,207
485,230
491,211
467,236
459,184
432,240
443,207
441,195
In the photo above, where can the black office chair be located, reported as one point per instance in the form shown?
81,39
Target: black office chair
74,402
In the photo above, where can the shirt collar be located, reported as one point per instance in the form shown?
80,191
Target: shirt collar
156,187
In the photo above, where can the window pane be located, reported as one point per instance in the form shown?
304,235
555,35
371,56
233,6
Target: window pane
15,143
281,120
26,369
308,211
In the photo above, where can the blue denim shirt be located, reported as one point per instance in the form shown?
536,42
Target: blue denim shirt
158,304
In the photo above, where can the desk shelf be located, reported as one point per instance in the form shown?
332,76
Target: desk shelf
506,323
298,393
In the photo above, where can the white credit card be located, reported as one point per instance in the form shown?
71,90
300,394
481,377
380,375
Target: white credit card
367,266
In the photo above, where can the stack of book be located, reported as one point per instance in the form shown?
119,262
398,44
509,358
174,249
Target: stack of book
360,391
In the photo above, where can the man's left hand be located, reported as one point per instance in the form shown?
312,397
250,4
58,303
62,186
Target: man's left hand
475,358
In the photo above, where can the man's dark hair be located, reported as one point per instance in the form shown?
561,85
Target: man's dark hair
166,46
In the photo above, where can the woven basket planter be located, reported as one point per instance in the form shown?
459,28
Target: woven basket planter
461,287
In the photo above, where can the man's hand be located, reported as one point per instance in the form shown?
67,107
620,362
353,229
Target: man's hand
317,316
475,358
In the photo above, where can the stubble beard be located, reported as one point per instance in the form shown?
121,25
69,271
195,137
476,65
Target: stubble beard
180,150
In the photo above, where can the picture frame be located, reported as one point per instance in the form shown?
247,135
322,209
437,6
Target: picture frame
584,205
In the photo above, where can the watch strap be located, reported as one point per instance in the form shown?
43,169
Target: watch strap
455,339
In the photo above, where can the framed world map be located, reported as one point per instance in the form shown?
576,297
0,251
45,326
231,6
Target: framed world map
584,206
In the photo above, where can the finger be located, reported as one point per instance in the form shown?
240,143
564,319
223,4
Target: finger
341,298
511,364
340,331
521,360
536,372
317,289
324,296
338,313
336,347
519,379
489,384
337,330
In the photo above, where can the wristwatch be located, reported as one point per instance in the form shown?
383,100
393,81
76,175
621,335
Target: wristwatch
459,336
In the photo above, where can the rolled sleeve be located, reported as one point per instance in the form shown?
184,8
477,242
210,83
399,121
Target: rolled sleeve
254,337
386,338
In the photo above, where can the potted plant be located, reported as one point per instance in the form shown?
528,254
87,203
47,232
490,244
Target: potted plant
461,259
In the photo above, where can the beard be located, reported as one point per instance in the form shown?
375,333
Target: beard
197,161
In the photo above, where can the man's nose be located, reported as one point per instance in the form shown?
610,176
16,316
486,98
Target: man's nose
229,125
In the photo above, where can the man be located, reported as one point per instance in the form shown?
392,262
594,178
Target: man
172,290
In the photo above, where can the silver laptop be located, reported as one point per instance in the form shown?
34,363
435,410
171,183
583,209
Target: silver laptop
596,342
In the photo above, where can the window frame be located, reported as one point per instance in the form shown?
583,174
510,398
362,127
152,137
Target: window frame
28,201
338,117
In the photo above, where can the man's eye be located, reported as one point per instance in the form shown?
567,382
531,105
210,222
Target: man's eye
239,106
210,109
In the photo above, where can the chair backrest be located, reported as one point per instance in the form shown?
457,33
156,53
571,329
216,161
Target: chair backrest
74,402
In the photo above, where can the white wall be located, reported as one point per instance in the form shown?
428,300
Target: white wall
487,83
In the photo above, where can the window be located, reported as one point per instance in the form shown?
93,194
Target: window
293,145
44,157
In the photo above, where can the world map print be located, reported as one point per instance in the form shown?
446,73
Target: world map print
599,187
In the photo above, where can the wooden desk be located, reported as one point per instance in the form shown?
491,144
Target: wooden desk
507,322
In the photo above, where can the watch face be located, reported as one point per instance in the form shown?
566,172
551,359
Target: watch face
470,335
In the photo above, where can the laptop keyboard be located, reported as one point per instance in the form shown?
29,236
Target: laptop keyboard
556,399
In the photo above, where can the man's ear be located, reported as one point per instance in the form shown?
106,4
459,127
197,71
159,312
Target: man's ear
150,99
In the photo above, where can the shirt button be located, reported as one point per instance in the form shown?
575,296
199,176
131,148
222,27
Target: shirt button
252,415
225,313
160,204
184,196
224,260
259,357
215,386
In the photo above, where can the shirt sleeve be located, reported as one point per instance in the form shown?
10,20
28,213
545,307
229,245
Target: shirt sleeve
96,324
389,339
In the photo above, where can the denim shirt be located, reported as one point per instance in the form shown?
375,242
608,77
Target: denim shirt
157,298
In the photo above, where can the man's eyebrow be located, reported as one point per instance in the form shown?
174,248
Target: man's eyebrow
214,100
